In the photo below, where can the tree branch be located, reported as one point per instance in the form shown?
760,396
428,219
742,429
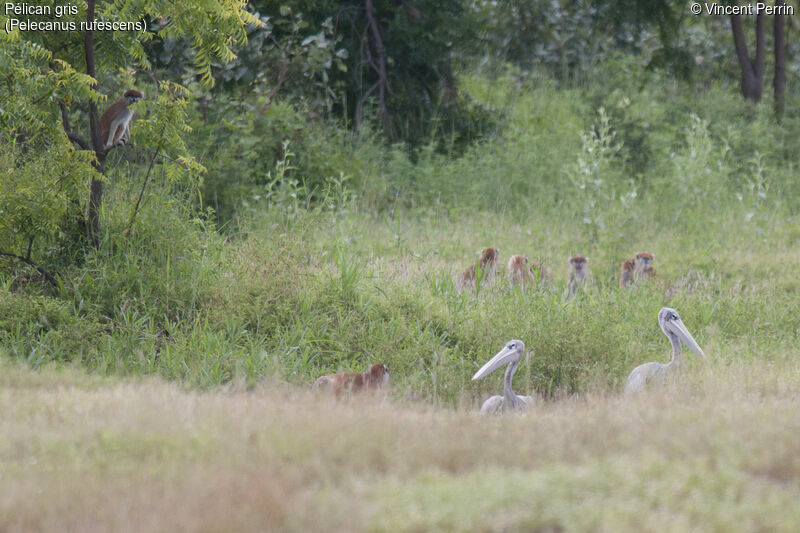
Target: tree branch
360,105
77,139
752,71
149,153
366,58
285,51
155,82
779,80
281,79
47,275
96,188
379,48
412,11
761,46
384,87
64,117
738,41
146,177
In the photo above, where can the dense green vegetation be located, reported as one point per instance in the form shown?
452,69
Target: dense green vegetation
277,217
310,278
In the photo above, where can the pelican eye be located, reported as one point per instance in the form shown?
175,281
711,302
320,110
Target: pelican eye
674,316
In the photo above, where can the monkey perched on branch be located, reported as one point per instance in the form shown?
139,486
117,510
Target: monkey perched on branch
115,122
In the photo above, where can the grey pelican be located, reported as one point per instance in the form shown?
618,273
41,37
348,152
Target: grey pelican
654,372
510,354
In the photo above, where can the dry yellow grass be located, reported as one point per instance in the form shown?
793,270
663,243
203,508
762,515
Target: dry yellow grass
719,451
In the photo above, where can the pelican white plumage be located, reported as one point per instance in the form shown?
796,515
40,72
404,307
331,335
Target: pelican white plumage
654,372
510,354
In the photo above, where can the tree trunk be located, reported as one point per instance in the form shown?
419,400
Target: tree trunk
384,89
449,85
96,189
779,81
752,71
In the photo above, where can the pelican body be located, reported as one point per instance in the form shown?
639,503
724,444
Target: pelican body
510,354
654,372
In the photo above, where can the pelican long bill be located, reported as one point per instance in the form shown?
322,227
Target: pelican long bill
494,363
687,338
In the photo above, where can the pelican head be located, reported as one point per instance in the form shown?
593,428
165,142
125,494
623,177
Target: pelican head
672,326
511,353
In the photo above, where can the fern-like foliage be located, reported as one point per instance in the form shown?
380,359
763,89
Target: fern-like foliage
47,99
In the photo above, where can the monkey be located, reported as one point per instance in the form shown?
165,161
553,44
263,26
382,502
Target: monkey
626,272
541,272
375,378
644,266
518,273
487,265
579,274
115,121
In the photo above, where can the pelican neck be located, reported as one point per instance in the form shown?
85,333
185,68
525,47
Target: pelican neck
676,359
510,399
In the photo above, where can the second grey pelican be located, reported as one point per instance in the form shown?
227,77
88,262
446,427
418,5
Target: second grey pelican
511,355
654,372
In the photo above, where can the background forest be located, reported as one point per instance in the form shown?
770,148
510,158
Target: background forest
303,182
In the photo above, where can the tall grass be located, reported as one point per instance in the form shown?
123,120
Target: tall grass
313,297
361,270
717,451
341,253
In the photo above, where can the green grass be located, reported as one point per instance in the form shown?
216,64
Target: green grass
338,292
252,310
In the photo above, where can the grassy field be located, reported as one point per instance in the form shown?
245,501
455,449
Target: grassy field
333,292
164,384
716,452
